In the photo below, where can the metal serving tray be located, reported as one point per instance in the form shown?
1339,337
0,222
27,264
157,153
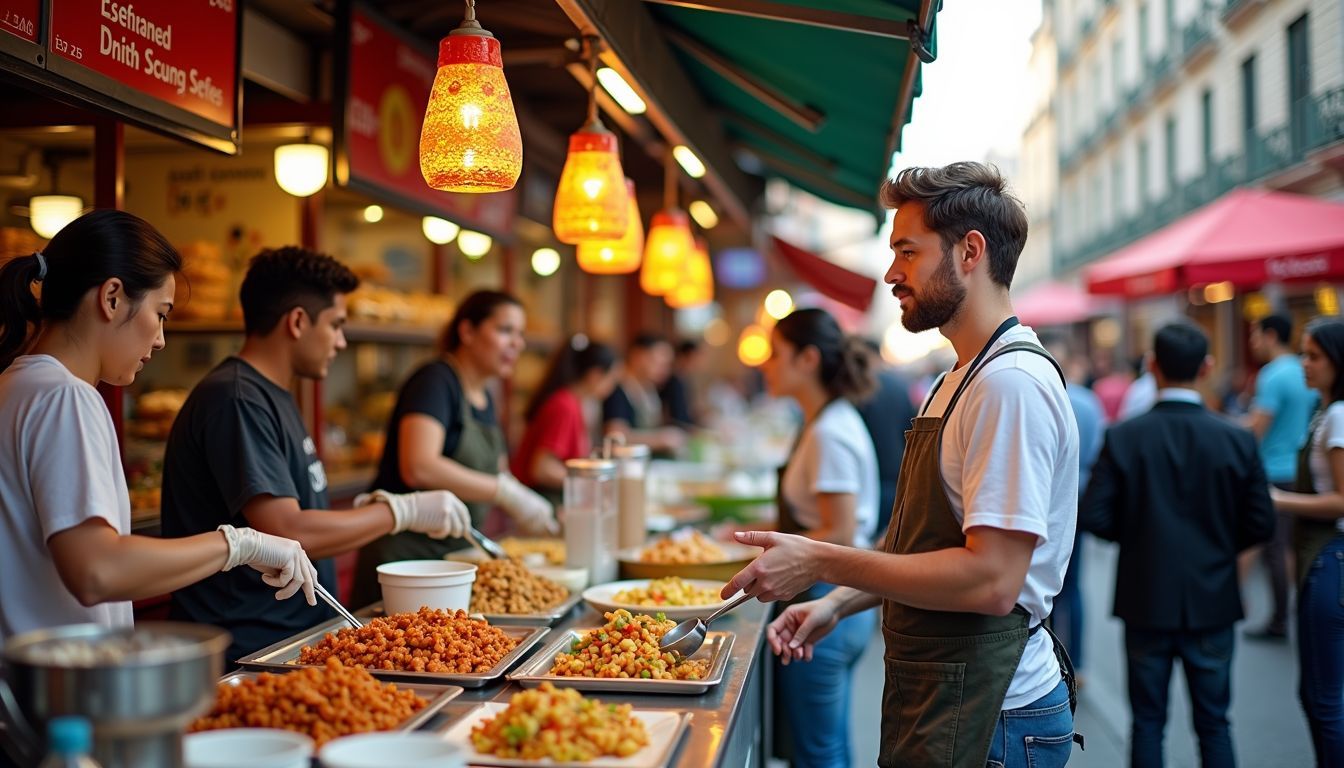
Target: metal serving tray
282,656
717,648
547,618
436,695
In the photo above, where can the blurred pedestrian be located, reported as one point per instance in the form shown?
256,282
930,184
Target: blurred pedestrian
888,414
1182,491
1279,416
1318,543
634,408
678,392
1067,618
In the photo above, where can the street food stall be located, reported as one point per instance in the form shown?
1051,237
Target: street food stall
237,127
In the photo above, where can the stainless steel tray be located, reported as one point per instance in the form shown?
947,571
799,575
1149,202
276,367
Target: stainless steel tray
547,618
281,657
717,648
437,695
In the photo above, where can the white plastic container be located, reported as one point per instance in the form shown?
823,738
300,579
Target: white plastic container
404,750
247,748
632,470
591,517
442,584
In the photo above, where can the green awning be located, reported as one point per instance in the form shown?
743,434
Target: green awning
817,105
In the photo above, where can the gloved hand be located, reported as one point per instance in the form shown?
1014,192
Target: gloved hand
438,514
527,507
282,562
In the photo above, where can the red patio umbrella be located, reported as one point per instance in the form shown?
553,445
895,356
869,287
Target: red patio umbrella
1248,237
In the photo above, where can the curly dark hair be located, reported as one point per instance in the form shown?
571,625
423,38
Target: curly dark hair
960,197
280,279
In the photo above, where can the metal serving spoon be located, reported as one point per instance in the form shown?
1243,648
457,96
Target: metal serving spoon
687,637
335,604
487,545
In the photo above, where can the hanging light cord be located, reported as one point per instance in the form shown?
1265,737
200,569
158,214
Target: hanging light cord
471,10
669,181
592,43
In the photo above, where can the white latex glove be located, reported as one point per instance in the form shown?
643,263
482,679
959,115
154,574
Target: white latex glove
438,514
282,562
528,508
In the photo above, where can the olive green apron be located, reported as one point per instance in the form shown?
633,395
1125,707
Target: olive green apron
947,673
479,447
1310,535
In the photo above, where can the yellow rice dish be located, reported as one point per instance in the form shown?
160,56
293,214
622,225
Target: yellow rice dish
560,724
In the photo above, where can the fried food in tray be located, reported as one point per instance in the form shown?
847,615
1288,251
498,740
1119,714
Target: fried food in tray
425,641
683,547
323,703
506,587
551,550
627,647
562,725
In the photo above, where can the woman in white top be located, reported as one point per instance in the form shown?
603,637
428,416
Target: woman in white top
1319,542
829,492
66,554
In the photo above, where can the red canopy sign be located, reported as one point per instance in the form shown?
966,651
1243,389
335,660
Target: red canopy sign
1248,237
832,280
177,59
19,18
389,80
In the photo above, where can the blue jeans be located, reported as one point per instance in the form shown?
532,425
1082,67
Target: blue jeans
1067,618
1206,657
814,696
1039,735
1320,650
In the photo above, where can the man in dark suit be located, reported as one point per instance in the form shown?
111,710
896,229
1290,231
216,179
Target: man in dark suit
1182,491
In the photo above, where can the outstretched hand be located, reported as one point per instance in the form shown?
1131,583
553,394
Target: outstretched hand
787,567
799,628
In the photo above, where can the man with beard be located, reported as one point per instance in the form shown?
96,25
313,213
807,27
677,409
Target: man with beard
985,512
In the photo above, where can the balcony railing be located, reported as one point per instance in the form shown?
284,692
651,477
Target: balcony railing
1317,122
1197,36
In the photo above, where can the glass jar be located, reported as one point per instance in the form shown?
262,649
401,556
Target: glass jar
632,469
591,525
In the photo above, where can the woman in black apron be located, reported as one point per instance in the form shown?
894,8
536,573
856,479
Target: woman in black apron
828,491
1319,543
444,434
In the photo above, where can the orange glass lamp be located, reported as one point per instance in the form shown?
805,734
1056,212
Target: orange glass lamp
469,141
591,202
696,286
616,257
669,243
666,251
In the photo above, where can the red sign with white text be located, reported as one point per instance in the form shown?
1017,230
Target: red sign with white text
19,18
183,53
390,81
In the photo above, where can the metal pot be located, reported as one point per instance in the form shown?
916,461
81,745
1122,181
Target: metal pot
140,704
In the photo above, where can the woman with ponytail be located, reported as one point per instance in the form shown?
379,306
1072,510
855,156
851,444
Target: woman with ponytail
86,310
828,491
580,377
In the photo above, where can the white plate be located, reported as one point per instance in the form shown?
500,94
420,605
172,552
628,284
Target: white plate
664,728
603,599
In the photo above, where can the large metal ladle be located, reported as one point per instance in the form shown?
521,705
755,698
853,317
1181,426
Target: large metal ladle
687,637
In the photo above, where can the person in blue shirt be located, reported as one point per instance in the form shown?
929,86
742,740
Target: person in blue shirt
1280,413
1067,619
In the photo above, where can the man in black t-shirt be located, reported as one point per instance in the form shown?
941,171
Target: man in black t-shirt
239,454
634,408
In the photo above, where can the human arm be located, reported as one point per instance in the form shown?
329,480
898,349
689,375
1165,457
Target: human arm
547,469
97,564
794,634
984,576
1101,510
423,465
322,532
1320,506
1255,510
1257,421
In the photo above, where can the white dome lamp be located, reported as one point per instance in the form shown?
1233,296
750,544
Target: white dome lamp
48,214
301,169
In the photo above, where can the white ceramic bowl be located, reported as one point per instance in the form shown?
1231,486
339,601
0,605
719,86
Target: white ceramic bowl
404,750
247,748
409,584
573,579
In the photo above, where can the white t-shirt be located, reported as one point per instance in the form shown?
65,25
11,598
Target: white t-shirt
1328,434
1010,455
59,466
834,455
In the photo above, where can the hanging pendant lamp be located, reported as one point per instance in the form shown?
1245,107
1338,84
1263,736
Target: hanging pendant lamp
669,243
469,141
696,286
591,201
616,257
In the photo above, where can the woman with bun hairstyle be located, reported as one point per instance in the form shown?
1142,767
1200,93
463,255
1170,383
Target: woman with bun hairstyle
828,491
444,434
89,309
580,377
